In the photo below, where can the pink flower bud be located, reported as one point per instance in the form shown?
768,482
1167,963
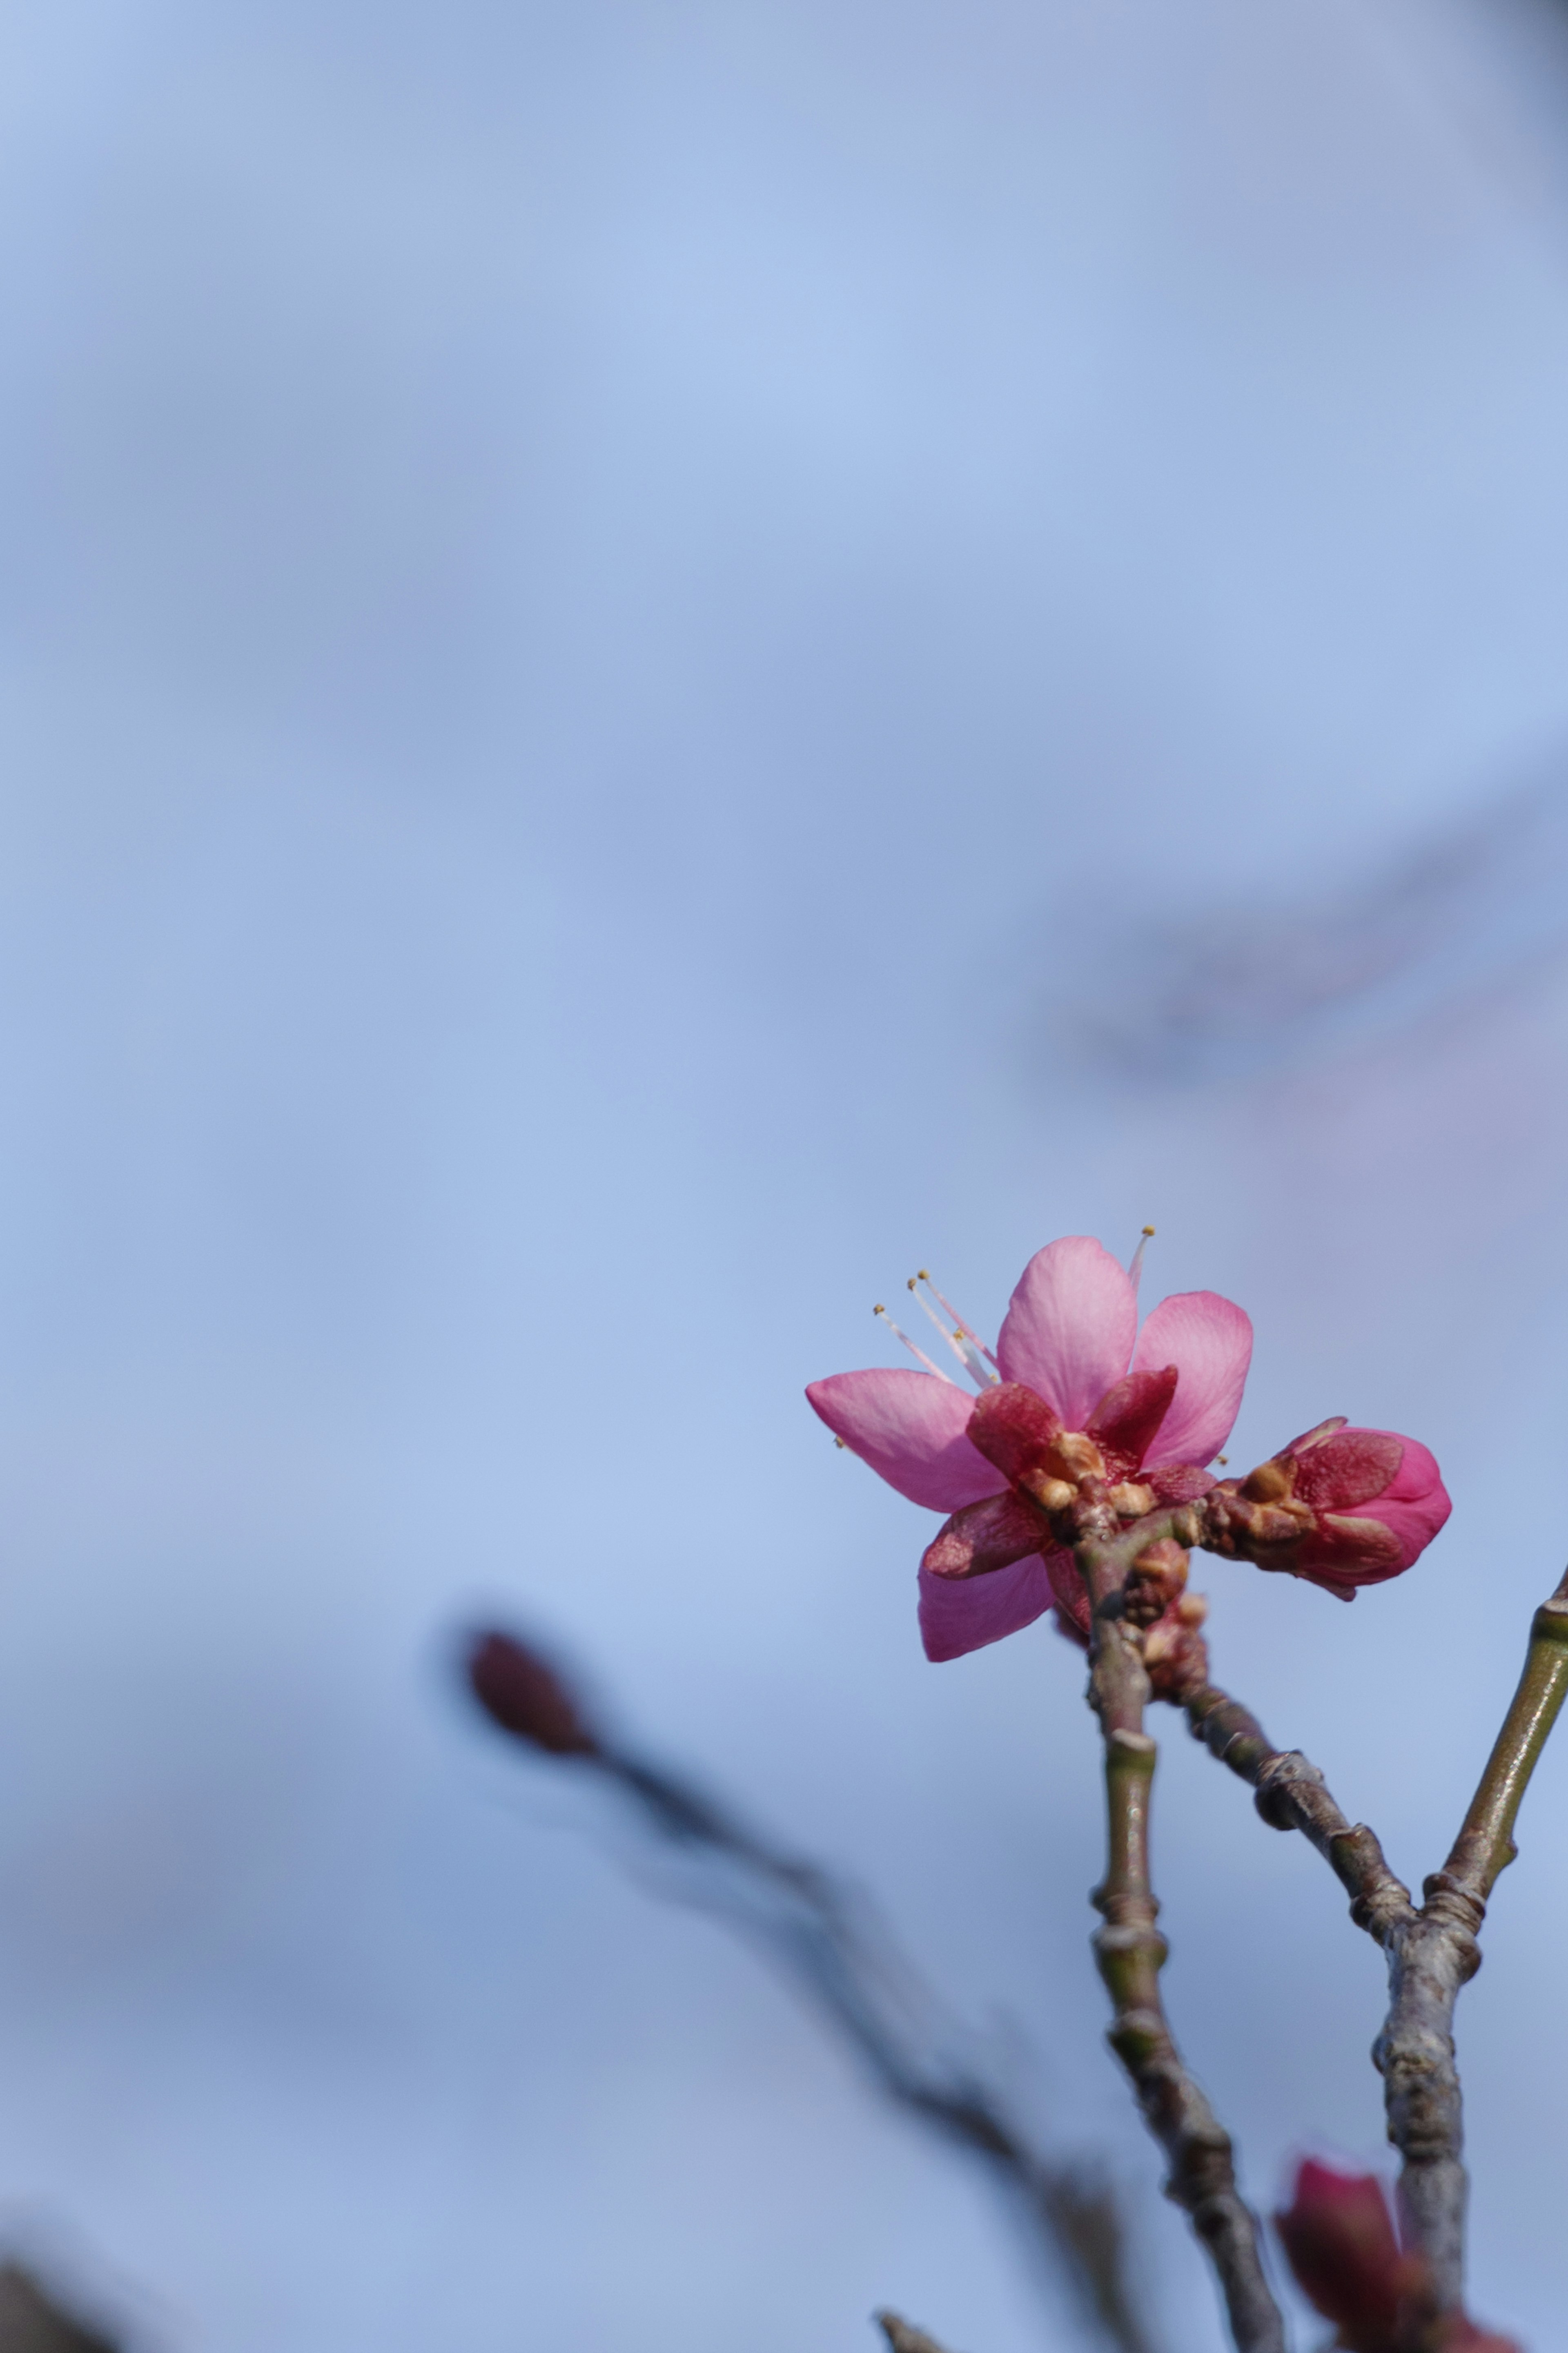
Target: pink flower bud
522,1694
1341,1507
1377,1499
1339,2237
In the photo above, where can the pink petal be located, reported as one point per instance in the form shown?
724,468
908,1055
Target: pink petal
1209,1340
909,1428
964,1614
1071,1326
1416,1505
985,1537
1348,1469
1385,1534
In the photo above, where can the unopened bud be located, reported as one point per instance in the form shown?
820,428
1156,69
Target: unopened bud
1164,1559
523,1694
1176,1655
1158,1574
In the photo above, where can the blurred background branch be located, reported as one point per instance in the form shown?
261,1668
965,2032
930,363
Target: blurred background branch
829,1942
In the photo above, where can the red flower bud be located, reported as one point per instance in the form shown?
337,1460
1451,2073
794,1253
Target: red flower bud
1377,1500
523,1694
1341,1507
1339,2236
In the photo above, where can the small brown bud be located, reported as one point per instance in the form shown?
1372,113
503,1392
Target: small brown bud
523,1694
1166,1559
1158,1575
1175,1657
1271,1482
1051,1495
1080,1457
1131,1501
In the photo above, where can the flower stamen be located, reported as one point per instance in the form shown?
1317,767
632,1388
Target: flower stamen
1136,1268
965,1330
909,1345
963,1348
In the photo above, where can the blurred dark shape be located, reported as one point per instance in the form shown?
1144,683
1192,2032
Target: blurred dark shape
833,1948
32,2322
902,2338
523,1694
1249,985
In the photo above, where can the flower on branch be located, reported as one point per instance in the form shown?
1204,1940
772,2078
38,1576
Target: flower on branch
1340,2240
1084,1425
1341,1507
1075,1399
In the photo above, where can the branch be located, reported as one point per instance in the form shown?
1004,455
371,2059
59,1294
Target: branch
1431,1952
1437,1953
1293,1795
1131,1953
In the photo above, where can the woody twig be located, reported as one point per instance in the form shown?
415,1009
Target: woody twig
1131,1952
1432,1950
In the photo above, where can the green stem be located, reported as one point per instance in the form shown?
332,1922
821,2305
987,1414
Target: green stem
1485,1844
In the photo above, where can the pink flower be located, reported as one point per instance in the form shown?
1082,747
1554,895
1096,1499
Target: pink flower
1073,1390
1340,2239
1341,1507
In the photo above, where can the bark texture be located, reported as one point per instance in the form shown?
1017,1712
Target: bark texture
1131,1953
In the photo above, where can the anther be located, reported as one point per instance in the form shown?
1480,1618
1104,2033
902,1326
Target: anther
966,1335
1136,1268
959,1342
909,1345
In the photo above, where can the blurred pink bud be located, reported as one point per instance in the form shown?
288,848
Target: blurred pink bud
523,1694
1339,2236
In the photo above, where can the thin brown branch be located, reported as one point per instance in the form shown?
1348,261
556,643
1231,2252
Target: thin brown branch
1131,1953
1291,1795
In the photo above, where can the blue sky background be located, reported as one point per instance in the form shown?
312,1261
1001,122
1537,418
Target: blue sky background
635,638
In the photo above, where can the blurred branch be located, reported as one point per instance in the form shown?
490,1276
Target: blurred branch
31,2321
838,1954
902,2338
1474,905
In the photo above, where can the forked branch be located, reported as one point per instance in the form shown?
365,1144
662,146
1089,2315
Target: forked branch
1433,1951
